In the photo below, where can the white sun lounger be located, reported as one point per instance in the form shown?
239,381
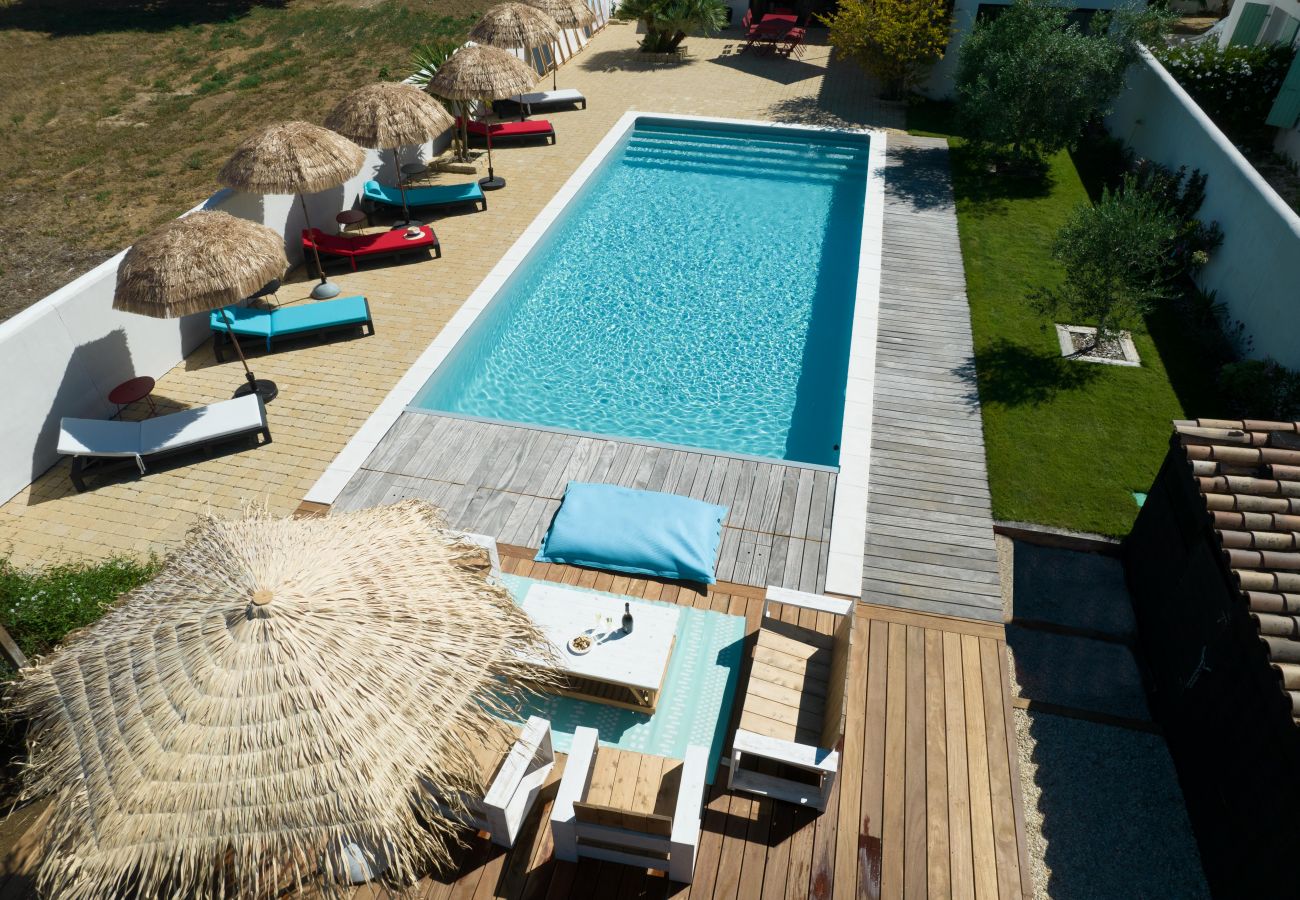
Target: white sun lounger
91,440
549,100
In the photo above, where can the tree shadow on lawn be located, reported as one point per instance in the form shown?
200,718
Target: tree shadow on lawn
1012,374
69,17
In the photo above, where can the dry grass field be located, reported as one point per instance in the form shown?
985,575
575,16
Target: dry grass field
115,115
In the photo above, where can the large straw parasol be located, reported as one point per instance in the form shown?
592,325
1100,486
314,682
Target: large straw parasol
294,158
285,695
513,26
197,263
389,115
567,14
479,72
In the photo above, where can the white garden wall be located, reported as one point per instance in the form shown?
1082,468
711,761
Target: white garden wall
62,355
1257,270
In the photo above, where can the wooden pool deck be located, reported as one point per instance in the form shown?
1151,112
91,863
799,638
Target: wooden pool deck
929,522
507,481
927,803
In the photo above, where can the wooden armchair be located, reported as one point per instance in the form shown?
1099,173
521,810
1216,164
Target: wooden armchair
634,809
794,710
513,775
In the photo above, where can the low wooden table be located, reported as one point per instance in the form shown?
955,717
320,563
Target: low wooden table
624,670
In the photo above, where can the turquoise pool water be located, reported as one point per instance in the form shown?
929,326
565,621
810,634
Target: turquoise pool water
697,291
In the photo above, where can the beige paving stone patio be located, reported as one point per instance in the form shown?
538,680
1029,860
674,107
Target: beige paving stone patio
327,389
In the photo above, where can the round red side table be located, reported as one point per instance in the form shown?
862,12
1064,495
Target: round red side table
128,392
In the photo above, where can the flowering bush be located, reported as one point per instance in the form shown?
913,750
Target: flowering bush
40,606
1235,86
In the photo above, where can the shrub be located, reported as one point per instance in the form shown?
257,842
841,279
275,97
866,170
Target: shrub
1183,194
895,40
1114,254
39,607
1259,389
1235,86
668,22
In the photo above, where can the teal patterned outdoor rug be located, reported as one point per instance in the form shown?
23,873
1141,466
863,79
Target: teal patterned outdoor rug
695,704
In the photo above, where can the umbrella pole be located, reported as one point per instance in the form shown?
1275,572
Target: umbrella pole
326,289
555,64
264,388
401,186
493,181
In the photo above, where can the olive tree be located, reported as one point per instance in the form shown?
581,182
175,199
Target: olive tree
1030,79
1114,254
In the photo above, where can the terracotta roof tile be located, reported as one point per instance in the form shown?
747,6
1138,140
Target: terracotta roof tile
1248,475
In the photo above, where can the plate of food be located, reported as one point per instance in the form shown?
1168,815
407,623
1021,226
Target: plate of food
581,644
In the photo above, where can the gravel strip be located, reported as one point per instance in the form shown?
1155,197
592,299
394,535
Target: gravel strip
1104,815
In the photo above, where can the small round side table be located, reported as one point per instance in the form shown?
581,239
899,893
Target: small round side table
351,217
128,392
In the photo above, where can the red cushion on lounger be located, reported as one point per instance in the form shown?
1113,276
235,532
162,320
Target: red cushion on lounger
511,129
367,244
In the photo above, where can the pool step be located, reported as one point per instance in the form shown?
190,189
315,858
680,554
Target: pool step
740,164
638,150
806,155
755,141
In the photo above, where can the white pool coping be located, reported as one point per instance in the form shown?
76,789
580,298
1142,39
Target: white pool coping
849,514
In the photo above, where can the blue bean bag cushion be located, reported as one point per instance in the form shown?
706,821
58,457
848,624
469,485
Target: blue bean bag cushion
640,532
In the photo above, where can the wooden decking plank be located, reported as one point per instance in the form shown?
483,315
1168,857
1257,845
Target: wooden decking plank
999,755
915,861
960,862
848,857
983,846
936,768
895,727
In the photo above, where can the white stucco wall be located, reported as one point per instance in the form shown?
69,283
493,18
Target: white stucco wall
1257,270
62,355
939,84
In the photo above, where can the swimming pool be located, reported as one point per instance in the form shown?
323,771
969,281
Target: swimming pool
698,290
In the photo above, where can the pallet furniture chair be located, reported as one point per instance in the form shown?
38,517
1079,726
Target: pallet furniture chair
794,709
653,824
514,775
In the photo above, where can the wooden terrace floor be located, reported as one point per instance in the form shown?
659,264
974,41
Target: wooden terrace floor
507,481
927,803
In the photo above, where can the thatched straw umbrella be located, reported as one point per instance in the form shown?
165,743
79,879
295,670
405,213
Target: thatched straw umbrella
294,158
567,14
197,263
390,115
285,694
478,72
512,26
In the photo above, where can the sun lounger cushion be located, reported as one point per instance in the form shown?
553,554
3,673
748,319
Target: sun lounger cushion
640,532
429,195
560,97
196,427
289,320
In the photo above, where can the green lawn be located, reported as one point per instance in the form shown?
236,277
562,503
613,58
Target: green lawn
1068,442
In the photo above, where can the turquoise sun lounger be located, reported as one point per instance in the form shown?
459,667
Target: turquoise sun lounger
289,321
423,197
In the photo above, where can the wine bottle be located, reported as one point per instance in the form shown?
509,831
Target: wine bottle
627,618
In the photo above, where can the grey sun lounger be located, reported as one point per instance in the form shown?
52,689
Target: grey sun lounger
544,100
107,441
